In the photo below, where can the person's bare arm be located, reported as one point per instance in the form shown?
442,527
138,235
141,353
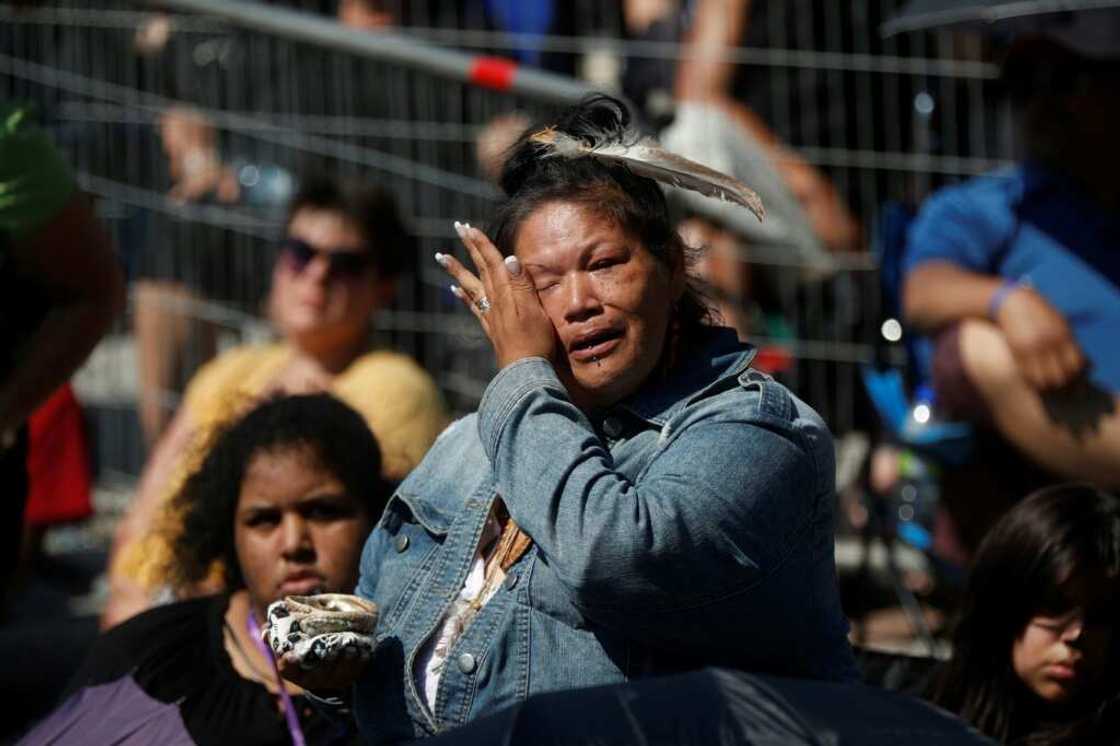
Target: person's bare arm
830,218
705,71
72,259
705,74
939,293
190,142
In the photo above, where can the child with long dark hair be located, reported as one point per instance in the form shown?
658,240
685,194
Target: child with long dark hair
1035,652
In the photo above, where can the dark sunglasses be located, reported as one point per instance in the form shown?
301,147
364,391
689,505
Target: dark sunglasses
346,264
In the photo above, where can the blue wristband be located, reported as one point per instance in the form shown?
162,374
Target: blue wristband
1000,295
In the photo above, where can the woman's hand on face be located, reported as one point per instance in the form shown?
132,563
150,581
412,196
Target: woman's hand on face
503,299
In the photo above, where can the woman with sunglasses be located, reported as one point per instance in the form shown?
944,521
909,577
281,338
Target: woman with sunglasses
344,248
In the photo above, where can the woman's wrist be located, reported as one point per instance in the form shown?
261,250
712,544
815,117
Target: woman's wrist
1002,293
506,391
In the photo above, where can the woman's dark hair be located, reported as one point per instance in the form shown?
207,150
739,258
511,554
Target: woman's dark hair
635,203
373,209
1024,567
334,433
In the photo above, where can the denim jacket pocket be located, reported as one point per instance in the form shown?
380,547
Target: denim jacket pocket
410,508
410,536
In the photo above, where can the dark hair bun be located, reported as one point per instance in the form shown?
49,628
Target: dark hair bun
594,120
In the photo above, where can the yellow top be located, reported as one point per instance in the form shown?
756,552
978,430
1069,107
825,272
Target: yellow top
398,399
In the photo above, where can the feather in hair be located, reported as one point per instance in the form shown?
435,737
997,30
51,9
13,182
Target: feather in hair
647,158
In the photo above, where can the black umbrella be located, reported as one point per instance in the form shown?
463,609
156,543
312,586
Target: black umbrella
920,15
716,707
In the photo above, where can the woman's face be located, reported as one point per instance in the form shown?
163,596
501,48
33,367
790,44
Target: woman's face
1059,656
296,530
313,301
607,296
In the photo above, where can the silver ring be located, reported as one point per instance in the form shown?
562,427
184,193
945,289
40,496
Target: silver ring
482,304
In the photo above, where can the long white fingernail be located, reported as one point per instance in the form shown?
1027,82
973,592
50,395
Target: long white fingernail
457,291
513,265
441,259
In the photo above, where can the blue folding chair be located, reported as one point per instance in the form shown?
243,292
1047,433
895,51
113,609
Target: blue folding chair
895,395
946,442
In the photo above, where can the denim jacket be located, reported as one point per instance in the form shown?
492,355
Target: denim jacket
689,525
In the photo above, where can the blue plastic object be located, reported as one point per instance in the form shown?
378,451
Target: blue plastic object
524,18
950,442
915,535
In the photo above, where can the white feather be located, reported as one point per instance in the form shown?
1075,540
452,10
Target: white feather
646,157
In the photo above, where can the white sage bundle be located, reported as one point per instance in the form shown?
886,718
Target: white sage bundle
321,628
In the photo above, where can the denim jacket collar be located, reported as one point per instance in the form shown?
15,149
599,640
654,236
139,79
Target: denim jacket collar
721,357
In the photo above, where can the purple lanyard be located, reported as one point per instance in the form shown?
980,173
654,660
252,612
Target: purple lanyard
289,708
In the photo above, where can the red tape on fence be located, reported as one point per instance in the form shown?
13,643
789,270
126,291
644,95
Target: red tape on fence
493,72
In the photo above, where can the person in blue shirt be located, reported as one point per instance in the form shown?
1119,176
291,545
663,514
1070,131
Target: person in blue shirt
1017,273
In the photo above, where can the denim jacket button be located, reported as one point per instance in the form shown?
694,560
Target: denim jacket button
466,663
402,543
612,426
511,581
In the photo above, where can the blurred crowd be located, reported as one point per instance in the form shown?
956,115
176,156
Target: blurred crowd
643,484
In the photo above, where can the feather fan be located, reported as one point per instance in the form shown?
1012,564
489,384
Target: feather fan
646,157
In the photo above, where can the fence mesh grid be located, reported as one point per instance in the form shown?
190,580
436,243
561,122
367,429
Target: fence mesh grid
886,120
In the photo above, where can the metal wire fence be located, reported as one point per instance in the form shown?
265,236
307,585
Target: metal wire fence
886,121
